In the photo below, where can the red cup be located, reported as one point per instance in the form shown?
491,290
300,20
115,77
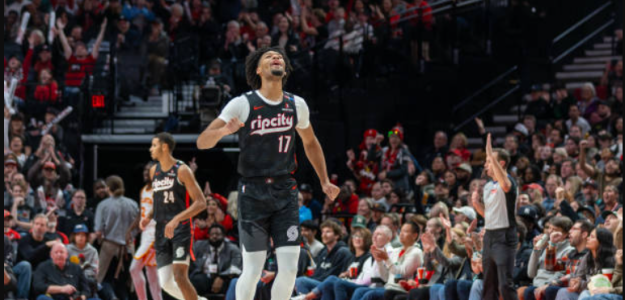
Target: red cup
353,272
420,273
310,271
608,273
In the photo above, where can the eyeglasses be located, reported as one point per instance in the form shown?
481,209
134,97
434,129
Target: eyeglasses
357,236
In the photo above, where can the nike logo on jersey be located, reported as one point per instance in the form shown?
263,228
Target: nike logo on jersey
279,123
258,107
162,185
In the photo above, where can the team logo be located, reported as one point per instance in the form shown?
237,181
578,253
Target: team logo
180,252
279,123
292,233
163,185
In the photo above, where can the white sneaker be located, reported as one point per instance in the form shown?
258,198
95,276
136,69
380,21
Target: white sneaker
299,297
201,298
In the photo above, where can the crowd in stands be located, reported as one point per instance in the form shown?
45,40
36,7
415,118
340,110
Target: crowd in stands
403,226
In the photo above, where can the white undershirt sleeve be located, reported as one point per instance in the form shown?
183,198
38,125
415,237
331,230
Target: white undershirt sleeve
237,107
303,114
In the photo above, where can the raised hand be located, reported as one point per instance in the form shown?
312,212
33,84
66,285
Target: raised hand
445,220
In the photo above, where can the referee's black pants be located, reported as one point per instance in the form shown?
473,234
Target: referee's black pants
498,257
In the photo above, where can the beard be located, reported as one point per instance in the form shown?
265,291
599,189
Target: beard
278,73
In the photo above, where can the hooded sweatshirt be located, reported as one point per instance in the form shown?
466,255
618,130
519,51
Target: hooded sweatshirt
536,265
90,262
333,262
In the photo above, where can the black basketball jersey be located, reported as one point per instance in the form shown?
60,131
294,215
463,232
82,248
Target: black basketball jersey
267,140
170,195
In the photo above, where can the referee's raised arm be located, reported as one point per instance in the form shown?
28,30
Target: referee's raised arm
499,173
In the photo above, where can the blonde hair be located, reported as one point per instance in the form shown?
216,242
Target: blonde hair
462,137
233,209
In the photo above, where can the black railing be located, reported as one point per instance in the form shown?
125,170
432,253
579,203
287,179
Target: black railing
487,107
480,91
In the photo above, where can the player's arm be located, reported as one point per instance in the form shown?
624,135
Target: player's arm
216,131
498,172
195,192
313,150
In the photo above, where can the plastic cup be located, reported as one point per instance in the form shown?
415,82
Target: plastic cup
608,273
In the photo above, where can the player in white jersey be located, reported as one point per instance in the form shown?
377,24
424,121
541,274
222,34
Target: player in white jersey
145,256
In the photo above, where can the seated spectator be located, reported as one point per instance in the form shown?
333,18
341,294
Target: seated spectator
78,214
304,212
557,234
285,38
602,118
610,176
33,247
10,282
44,60
399,265
218,262
214,215
23,212
538,106
309,200
309,233
365,166
82,253
600,256
57,278
589,101
332,260
17,148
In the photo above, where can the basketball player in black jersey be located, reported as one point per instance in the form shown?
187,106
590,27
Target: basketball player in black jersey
267,120
173,185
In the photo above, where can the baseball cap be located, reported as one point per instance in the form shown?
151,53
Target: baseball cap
378,207
528,211
49,165
590,182
522,129
7,214
466,167
467,211
606,213
310,224
305,188
533,186
359,222
10,161
587,208
370,133
81,228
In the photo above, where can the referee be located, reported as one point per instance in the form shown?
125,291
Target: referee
498,210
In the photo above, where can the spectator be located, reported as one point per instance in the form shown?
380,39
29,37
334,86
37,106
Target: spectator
309,200
365,209
100,192
332,260
24,213
557,234
588,102
17,69
613,73
553,182
391,220
304,212
611,175
17,148
314,26
47,89
538,106
395,158
359,244
155,52
562,102
575,118
602,118
215,215
396,266
366,167
77,215
113,217
285,38
601,249
32,248
219,263
10,282
309,233
58,279
82,253
80,62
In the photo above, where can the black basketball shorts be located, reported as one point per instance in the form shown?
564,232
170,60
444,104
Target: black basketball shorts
179,249
268,207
